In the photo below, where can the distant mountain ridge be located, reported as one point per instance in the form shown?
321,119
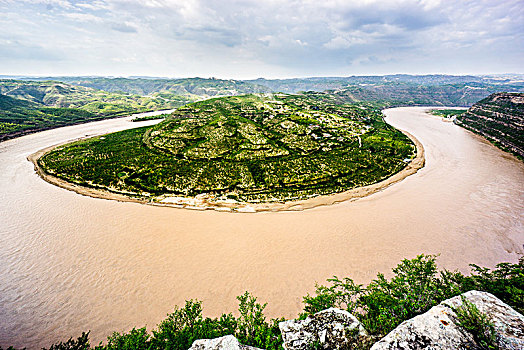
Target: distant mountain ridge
19,117
106,97
500,119
390,90
408,94
335,83
202,87
29,106
147,85
64,95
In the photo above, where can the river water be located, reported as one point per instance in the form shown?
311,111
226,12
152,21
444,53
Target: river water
70,263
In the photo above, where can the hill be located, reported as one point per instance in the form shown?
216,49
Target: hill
19,117
403,89
108,97
500,119
409,94
29,106
252,148
200,87
390,90
58,94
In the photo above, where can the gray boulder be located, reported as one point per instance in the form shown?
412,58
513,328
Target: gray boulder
332,329
438,329
227,342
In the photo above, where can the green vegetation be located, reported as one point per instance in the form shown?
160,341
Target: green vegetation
447,113
415,287
27,106
150,117
477,324
81,343
110,97
18,116
56,94
253,148
500,119
388,90
383,304
185,325
195,87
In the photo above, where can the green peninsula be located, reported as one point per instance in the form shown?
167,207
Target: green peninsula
252,148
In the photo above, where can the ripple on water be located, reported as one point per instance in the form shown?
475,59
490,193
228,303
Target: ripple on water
70,263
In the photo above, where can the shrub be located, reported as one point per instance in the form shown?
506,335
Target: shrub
81,343
415,287
136,339
252,326
506,282
185,325
477,324
382,305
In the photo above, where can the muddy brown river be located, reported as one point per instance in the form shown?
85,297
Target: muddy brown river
70,263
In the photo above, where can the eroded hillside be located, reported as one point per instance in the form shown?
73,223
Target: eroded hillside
499,118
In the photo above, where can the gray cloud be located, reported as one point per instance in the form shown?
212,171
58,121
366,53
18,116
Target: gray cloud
247,38
15,50
123,27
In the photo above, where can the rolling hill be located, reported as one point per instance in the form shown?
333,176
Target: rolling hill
251,148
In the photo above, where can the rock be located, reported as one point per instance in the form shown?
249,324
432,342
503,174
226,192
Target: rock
438,329
227,342
499,118
331,328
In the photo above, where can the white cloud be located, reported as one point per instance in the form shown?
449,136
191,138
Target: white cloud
340,42
93,5
83,17
231,38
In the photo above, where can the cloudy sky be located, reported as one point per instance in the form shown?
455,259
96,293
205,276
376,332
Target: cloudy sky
260,38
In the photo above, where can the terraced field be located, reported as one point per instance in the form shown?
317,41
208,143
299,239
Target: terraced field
251,148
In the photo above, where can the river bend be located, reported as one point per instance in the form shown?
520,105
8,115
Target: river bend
70,263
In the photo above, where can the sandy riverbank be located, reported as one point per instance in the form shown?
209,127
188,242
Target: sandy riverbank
202,202
136,262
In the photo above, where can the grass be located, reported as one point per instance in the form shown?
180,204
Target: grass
477,324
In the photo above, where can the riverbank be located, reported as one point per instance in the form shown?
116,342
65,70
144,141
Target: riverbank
20,133
204,202
135,262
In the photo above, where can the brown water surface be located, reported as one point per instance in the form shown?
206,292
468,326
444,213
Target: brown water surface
70,263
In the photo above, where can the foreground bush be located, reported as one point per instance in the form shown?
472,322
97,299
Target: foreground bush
477,324
415,287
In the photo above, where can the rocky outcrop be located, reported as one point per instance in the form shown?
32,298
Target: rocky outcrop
438,328
227,342
499,118
330,329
